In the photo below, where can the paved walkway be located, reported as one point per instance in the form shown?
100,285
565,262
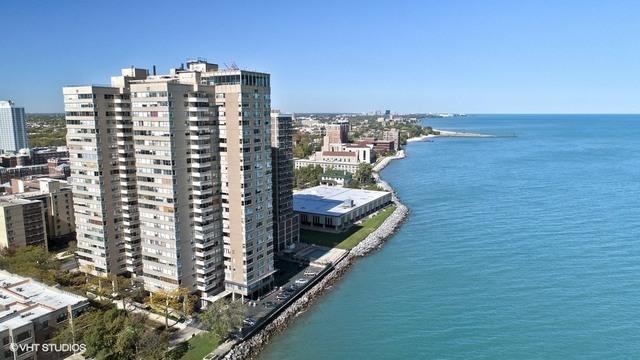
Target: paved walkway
222,349
184,333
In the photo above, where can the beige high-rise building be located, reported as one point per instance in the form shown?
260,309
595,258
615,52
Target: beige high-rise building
178,182
172,178
244,105
103,178
22,223
57,202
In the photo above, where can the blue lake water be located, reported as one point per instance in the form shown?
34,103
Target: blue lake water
522,247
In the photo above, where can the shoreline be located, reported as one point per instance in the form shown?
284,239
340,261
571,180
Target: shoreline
447,133
251,348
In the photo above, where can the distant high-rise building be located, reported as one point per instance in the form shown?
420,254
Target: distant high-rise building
286,227
392,135
172,178
13,136
335,134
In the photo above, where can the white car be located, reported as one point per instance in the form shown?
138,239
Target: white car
302,281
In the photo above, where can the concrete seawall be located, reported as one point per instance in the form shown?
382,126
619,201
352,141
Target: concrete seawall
250,348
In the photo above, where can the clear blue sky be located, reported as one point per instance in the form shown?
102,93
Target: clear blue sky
442,56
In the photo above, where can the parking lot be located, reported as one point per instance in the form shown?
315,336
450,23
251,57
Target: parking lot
260,309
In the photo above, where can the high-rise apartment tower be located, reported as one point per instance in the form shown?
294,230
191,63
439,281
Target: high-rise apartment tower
13,136
172,178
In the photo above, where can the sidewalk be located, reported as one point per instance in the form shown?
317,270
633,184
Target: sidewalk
221,350
184,333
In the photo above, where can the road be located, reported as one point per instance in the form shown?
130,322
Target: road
263,307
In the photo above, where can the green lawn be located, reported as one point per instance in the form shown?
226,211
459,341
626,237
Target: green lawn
351,238
200,346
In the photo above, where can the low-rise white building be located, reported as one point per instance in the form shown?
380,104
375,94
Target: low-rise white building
335,209
30,313
336,178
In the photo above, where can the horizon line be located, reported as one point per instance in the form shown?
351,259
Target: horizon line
414,113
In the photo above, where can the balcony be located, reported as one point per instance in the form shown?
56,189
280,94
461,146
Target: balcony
197,99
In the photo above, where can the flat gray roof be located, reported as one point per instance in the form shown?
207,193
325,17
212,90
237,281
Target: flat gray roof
332,200
23,299
10,200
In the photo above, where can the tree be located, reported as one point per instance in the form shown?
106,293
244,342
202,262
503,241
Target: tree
98,285
223,316
308,176
364,174
168,301
152,345
46,129
119,286
114,335
305,145
30,261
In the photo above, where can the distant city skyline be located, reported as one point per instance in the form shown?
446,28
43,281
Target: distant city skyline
460,56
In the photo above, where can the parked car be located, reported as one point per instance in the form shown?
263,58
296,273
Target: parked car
268,305
302,281
310,273
249,322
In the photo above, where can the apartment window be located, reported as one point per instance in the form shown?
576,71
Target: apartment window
61,317
23,336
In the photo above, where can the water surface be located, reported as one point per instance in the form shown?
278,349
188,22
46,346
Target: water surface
519,247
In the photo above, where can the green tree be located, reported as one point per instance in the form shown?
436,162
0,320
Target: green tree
46,129
224,316
30,261
364,174
305,145
112,335
178,301
152,345
308,176
119,287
